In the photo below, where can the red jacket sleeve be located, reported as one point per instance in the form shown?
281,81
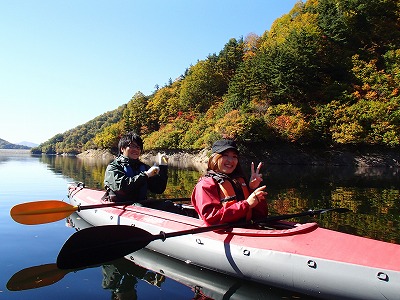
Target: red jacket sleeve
206,201
260,211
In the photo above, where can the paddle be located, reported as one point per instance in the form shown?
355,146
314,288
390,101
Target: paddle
96,245
47,211
36,277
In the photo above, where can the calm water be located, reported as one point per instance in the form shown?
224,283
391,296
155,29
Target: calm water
371,194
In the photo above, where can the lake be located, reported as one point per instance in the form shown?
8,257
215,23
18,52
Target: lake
372,195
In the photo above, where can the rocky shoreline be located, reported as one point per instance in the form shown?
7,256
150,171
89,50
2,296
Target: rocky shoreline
196,161
277,155
98,154
343,156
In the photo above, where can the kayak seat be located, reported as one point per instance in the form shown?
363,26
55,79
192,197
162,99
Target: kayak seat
188,210
177,208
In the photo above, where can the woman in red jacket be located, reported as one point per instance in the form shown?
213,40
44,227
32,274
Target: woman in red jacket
222,195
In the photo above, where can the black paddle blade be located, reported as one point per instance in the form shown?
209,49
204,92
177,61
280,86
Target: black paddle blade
100,244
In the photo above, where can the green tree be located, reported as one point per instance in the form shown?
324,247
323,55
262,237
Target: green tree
108,138
229,59
135,115
164,106
202,86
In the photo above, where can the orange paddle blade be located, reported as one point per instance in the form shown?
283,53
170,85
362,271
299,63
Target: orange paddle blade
40,212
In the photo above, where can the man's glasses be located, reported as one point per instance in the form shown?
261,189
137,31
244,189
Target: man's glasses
133,145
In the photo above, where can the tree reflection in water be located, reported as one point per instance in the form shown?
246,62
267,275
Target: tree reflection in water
121,279
371,193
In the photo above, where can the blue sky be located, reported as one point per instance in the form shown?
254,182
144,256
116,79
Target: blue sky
65,62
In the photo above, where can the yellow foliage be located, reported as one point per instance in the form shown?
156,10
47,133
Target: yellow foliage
165,104
347,133
231,125
295,20
109,137
251,45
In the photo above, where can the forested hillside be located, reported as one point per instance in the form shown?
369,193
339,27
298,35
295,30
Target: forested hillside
81,137
327,73
7,145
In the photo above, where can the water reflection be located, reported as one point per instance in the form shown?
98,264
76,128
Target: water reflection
8,154
121,277
371,193
88,170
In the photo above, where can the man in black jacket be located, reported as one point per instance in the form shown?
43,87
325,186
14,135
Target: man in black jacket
129,179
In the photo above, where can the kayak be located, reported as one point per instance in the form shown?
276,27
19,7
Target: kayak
204,283
303,258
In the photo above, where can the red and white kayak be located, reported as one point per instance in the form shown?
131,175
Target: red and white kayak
304,258
204,283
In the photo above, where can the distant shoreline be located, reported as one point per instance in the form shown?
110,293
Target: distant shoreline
272,155
196,161
16,151
278,155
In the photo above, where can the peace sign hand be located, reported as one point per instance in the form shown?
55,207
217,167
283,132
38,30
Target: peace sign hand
256,176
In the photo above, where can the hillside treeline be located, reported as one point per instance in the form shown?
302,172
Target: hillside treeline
327,73
81,137
7,145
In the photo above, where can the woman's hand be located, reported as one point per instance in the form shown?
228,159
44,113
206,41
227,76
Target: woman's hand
257,196
256,176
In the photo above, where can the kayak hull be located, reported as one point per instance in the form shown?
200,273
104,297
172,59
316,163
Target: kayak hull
305,258
201,281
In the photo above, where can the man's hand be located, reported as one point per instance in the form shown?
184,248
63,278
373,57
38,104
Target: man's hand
162,159
152,171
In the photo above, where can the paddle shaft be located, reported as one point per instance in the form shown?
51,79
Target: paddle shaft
164,235
96,245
